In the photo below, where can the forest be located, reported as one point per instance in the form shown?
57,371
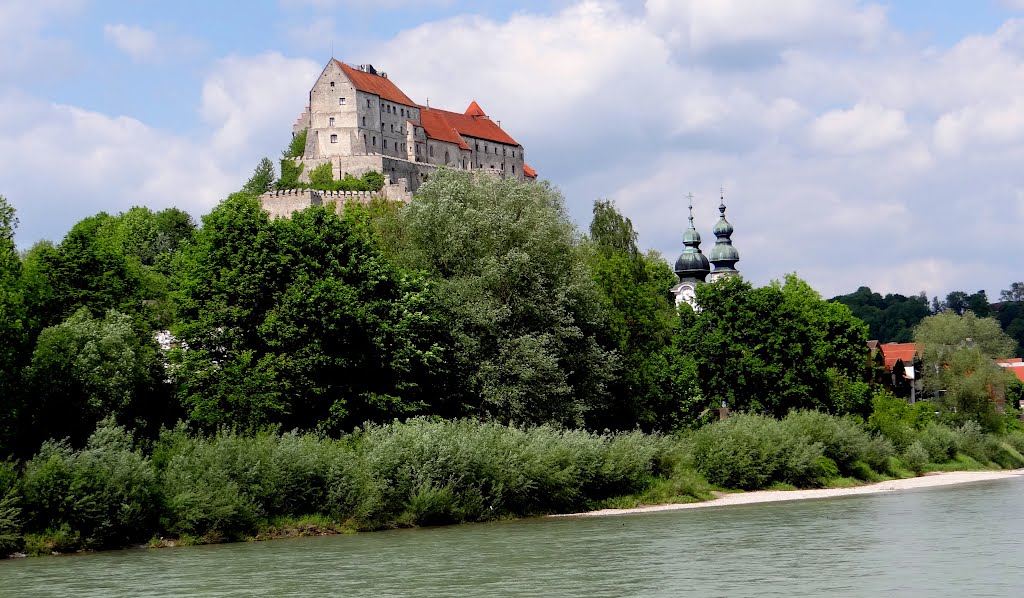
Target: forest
383,365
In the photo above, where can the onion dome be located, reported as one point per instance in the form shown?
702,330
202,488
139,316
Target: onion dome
692,263
723,255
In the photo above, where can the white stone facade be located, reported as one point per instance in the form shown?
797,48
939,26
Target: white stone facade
359,120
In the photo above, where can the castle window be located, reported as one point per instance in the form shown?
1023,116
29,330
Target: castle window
431,151
513,153
487,150
401,111
341,101
392,128
513,169
463,163
330,122
364,121
374,141
332,84
365,140
478,147
368,103
503,151
334,139
446,157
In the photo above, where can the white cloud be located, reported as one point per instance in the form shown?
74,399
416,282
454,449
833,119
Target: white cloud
864,127
24,40
848,153
137,42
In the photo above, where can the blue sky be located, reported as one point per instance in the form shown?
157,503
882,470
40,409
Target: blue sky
871,143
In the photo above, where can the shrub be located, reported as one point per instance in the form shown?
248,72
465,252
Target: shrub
843,439
915,457
105,493
751,451
11,538
940,441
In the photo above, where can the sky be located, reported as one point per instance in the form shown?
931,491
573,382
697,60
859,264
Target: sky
857,143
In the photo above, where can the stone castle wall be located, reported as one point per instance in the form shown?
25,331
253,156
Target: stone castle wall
392,168
281,204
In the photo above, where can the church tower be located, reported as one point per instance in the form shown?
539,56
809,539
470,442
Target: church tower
723,255
692,267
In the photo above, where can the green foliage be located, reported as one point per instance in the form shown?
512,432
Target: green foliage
890,319
296,147
321,177
523,313
11,535
105,494
301,322
774,348
656,385
86,369
14,326
957,352
262,179
290,173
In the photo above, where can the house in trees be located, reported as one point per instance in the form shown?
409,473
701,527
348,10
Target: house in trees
902,369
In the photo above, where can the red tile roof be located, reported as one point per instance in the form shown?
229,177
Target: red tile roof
437,127
529,172
480,127
1010,360
897,351
475,110
375,84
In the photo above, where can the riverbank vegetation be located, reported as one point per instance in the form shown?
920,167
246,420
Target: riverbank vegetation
467,357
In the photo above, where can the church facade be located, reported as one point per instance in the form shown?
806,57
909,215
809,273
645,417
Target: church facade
694,268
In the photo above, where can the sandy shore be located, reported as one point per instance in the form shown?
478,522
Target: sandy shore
950,478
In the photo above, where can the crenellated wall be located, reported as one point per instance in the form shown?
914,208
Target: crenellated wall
281,204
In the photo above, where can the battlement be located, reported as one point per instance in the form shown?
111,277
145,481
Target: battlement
281,203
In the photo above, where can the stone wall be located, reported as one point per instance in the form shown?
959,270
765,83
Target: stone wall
393,169
281,204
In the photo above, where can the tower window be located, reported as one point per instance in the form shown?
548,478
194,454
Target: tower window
513,169
341,101
431,151
332,84
330,122
334,139
374,141
364,121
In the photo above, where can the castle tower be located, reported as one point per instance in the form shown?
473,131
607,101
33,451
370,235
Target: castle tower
692,267
723,255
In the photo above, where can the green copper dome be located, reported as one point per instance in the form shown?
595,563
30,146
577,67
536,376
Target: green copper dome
692,263
723,255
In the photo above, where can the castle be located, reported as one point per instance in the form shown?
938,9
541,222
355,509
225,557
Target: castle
693,267
358,120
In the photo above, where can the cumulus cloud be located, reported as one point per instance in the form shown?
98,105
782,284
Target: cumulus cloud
847,153
864,127
137,42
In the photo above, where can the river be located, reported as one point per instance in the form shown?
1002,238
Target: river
949,541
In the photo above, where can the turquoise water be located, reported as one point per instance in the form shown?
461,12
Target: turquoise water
952,541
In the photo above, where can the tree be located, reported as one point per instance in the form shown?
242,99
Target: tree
891,318
85,369
958,353
956,301
774,348
1014,294
262,179
515,293
641,320
13,324
299,322
297,146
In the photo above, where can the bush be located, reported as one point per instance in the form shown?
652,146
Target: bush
940,441
843,439
106,494
11,538
751,451
915,457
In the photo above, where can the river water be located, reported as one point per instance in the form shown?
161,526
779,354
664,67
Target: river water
951,541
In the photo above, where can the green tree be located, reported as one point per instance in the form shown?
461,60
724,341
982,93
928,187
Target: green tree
299,322
13,325
1013,294
322,177
297,146
642,318
87,368
774,348
958,353
523,312
890,319
262,179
